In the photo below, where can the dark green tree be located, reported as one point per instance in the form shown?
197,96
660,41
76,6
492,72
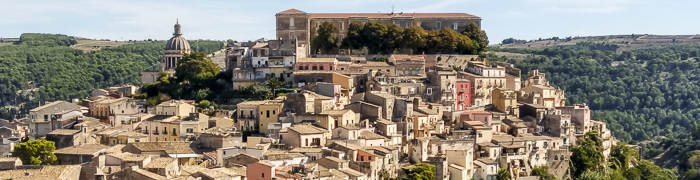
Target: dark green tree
35,152
355,37
374,33
474,32
393,39
196,68
273,84
414,38
587,155
325,39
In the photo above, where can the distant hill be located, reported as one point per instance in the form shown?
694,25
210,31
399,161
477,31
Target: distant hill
623,41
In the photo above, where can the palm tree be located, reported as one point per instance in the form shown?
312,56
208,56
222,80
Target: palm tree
273,83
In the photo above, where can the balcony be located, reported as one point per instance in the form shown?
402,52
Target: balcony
144,131
165,132
156,132
513,154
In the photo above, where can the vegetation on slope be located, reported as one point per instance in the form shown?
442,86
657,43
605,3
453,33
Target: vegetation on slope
645,95
42,67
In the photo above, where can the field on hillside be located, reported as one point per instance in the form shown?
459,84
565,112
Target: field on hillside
93,45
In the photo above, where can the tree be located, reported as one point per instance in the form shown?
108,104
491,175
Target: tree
448,40
587,155
374,33
256,92
203,104
196,68
414,37
354,38
543,173
474,32
421,171
393,39
622,155
503,174
202,94
433,42
273,84
466,45
35,152
325,39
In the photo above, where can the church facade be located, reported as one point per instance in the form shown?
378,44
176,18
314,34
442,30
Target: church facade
175,49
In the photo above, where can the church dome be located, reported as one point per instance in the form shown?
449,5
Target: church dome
177,42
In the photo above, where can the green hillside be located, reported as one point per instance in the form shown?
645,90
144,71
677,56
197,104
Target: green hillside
643,94
42,67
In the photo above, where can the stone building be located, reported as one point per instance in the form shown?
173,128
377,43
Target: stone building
484,78
78,154
538,91
40,118
302,26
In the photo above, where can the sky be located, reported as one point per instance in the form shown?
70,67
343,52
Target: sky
250,20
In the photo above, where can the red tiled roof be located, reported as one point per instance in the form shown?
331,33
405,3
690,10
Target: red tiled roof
388,15
291,11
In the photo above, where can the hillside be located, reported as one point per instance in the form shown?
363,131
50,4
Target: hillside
43,67
643,94
624,42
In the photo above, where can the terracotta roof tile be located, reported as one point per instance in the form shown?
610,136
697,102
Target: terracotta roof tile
291,11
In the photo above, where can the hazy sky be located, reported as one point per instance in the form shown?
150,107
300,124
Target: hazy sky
250,19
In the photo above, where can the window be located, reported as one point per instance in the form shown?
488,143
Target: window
263,174
439,25
137,140
300,68
273,111
291,35
316,26
320,68
481,135
313,68
369,157
174,132
190,130
280,137
454,26
307,142
430,91
387,70
418,23
268,113
291,22
362,158
342,26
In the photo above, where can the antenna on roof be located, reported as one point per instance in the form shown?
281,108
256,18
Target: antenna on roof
392,9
